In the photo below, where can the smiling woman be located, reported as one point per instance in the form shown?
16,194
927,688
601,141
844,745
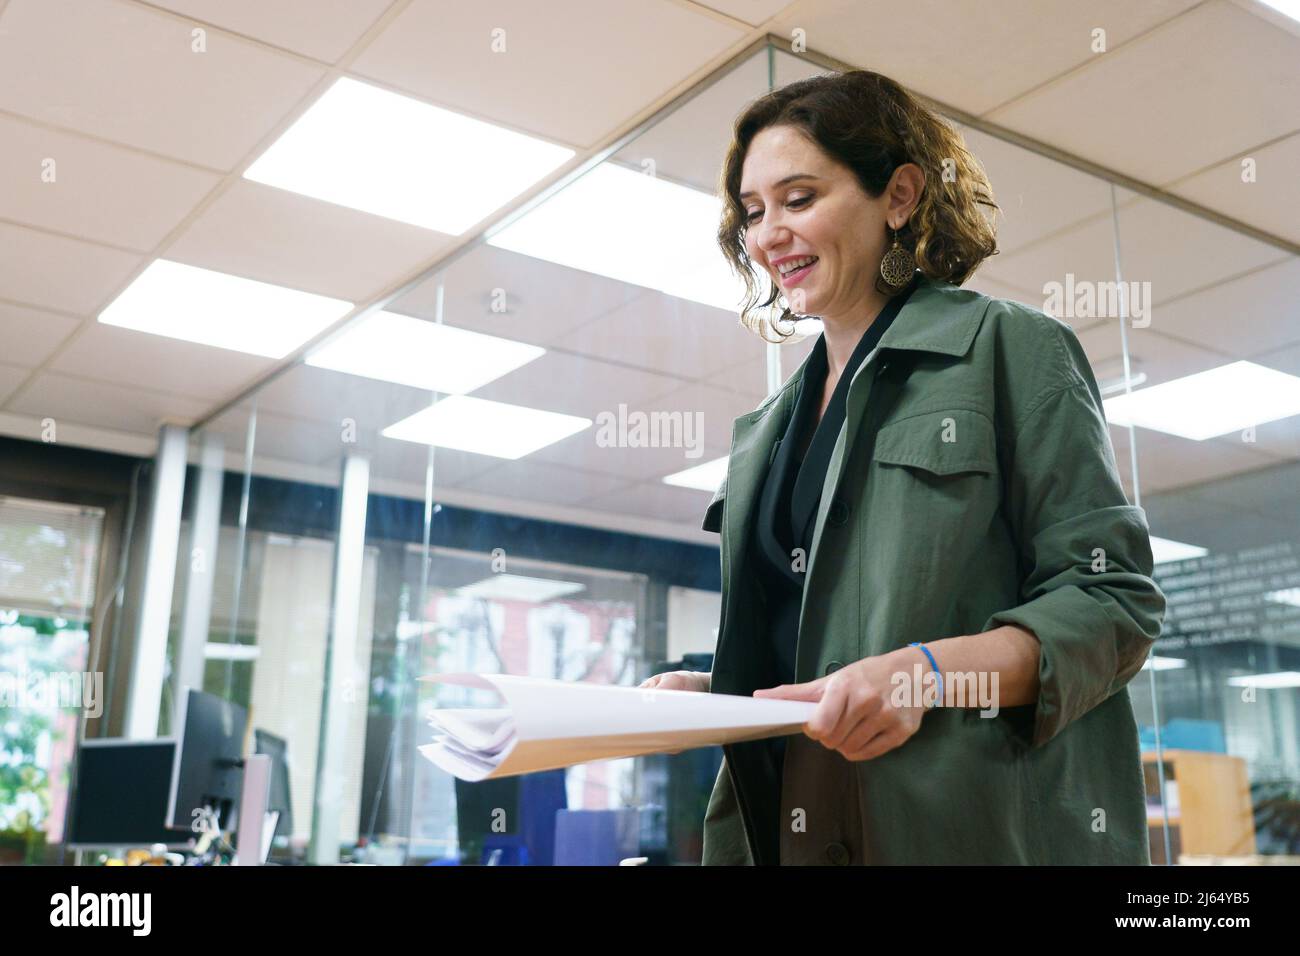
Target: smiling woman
826,168
933,491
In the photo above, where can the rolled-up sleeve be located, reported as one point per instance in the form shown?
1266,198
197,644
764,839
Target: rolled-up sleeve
1087,592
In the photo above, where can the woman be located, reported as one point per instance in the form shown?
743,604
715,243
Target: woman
923,531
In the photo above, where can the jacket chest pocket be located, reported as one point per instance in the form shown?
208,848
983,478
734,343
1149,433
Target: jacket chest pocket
939,446
934,493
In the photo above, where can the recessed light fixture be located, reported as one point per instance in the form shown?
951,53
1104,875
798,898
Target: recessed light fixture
485,428
1276,680
1285,596
366,148
1155,663
1215,402
1163,550
407,351
213,308
705,477
519,587
1288,8
632,227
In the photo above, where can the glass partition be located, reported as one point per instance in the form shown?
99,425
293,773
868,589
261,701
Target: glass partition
1215,465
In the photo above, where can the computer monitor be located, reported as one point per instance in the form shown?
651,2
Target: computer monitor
119,795
277,748
208,772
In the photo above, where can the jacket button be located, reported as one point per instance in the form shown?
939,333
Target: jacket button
837,853
838,514
832,667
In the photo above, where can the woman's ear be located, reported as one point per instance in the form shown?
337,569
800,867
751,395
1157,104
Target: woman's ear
905,188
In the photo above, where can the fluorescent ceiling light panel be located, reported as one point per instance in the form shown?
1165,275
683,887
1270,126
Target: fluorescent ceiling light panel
1285,596
1215,402
519,587
1164,663
212,308
440,358
705,477
1163,549
486,428
1274,681
1290,8
635,228
394,156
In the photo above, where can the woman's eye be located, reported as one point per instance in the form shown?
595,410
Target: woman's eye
793,204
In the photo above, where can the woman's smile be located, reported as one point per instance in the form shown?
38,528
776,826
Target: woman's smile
793,270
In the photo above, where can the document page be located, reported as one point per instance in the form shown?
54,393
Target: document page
546,724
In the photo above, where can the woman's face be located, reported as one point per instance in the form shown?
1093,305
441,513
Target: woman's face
799,203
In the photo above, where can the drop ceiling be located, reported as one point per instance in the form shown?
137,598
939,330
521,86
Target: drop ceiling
150,125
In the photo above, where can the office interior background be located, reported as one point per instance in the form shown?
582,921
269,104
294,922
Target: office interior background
496,394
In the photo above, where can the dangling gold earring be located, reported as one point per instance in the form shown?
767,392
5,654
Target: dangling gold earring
897,265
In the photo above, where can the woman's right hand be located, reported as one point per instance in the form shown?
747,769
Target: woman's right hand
679,680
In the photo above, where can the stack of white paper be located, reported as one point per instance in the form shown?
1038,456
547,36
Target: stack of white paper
546,724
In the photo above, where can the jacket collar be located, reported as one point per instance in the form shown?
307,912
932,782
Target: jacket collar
939,317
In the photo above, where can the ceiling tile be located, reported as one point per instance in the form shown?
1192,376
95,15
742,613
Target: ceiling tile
59,273
718,409
11,376
1255,313
1172,250
99,192
542,82
1213,82
1269,202
82,402
280,237
575,385
323,29
970,55
29,336
129,74
1156,356
515,296
1036,196
1167,461
665,334
688,145
127,357
334,398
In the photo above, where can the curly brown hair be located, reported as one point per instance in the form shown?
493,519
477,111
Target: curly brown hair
871,125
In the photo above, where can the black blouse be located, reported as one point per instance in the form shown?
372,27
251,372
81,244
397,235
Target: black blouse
793,487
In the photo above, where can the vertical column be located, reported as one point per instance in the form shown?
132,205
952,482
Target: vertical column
196,613
340,659
166,493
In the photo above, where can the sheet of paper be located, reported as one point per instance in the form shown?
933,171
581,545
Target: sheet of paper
547,724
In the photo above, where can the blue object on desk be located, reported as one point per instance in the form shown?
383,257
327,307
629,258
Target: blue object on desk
596,837
1184,733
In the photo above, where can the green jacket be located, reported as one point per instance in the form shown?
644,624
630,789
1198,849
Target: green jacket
973,485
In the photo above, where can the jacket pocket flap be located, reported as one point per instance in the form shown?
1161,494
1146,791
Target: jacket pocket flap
941,442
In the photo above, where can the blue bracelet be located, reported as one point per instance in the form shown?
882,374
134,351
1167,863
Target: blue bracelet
926,651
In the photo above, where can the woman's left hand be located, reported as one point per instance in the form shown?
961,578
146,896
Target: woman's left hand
855,715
